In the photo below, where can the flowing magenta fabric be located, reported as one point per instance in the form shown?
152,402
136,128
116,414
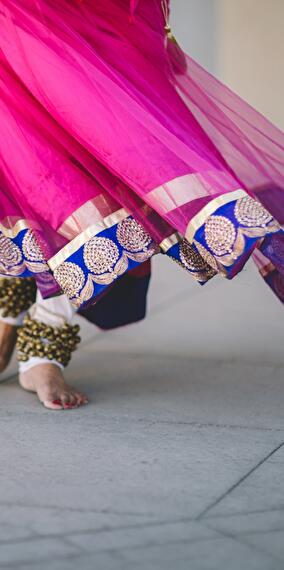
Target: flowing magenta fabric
105,121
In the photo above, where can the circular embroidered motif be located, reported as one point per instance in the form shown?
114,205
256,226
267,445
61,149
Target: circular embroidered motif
132,236
10,253
207,256
70,278
191,258
251,213
220,235
31,248
100,255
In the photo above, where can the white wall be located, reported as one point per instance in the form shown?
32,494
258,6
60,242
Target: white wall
195,25
250,51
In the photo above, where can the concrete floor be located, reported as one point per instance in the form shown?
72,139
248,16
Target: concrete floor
178,460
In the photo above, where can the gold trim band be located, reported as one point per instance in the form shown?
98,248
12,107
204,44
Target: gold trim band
11,233
170,241
184,189
89,213
198,220
70,248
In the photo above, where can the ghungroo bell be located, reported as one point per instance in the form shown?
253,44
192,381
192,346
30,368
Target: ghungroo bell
36,339
16,295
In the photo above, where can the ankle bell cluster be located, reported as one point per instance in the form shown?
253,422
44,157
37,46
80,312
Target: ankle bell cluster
16,295
36,339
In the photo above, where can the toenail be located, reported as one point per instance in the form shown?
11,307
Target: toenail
57,402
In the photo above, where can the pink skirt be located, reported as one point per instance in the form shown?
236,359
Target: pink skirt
115,146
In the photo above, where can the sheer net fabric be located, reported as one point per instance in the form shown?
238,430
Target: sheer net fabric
116,145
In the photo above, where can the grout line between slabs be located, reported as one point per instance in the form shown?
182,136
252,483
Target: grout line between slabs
240,539
246,513
239,482
104,551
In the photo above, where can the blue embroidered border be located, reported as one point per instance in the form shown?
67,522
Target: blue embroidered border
222,244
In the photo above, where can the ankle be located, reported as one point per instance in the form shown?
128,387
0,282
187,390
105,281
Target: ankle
36,361
46,343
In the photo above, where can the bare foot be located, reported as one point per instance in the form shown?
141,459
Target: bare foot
48,382
8,337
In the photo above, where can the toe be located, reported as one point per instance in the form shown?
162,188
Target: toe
53,404
69,400
81,399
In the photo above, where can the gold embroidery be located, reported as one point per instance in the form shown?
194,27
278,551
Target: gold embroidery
102,258
10,254
70,278
195,263
106,279
191,258
260,231
132,236
142,256
207,256
228,242
201,276
100,254
209,209
220,235
86,235
31,248
237,250
251,213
